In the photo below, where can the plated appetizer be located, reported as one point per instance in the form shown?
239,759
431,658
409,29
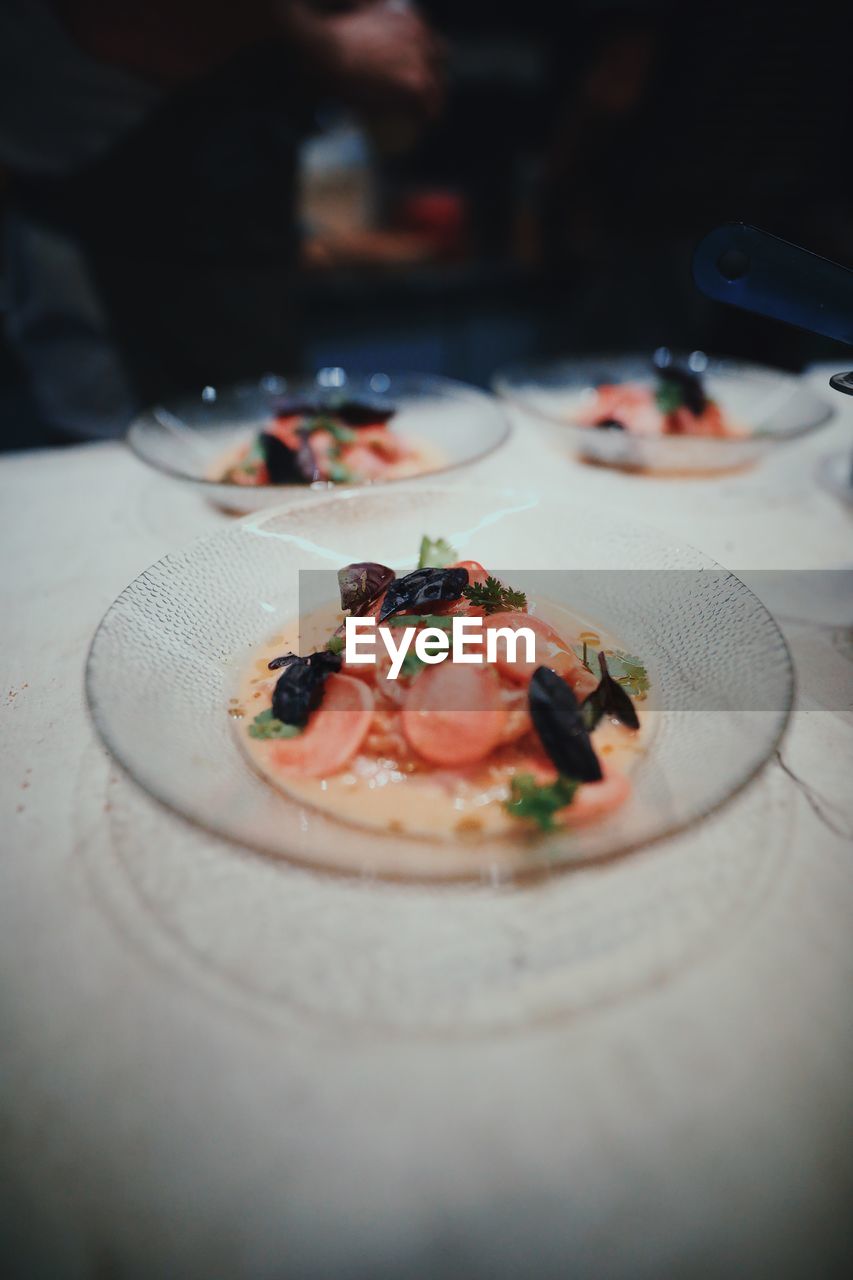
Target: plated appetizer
677,405
426,740
307,442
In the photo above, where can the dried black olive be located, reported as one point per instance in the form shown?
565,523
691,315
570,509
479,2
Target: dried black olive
611,424
282,661
686,383
420,591
362,413
299,689
558,720
361,583
609,699
286,465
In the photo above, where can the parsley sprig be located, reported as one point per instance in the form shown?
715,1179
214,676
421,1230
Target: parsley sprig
266,726
538,802
435,553
494,597
624,668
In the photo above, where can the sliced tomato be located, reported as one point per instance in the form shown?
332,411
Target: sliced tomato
591,801
681,422
364,462
518,721
551,649
334,733
383,442
594,800
453,715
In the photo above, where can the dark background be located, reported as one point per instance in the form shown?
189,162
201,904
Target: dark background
585,148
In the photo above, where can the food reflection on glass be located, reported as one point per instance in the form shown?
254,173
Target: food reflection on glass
401,731
349,442
678,404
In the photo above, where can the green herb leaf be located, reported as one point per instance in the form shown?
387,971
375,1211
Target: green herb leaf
669,395
265,725
336,644
435,553
628,671
411,665
610,698
538,802
337,430
339,474
625,669
494,597
421,620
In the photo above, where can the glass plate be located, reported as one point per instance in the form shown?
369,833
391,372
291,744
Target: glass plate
187,438
165,661
774,406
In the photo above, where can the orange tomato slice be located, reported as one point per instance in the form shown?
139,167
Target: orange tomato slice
453,715
334,733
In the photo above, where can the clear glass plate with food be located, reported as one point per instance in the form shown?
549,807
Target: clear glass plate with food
259,444
669,412
226,681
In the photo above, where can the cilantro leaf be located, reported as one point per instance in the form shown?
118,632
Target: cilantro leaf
435,553
669,396
421,620
336,644
337,430
628,671
411,664
538,802
266,726
609,698
494,597
625,669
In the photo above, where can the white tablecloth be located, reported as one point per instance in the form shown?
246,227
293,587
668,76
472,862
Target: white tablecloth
214,1066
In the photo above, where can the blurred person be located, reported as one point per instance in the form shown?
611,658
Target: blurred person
672,123
151,148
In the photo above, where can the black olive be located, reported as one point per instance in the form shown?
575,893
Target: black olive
361,583
558,720
286,465
420,591
299,689
611,424
282,661
609,699
361,413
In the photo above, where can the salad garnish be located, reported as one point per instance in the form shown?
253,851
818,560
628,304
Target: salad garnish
623,667
510,729
678,386
493,597
538,801
608,699
435,553
265,725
